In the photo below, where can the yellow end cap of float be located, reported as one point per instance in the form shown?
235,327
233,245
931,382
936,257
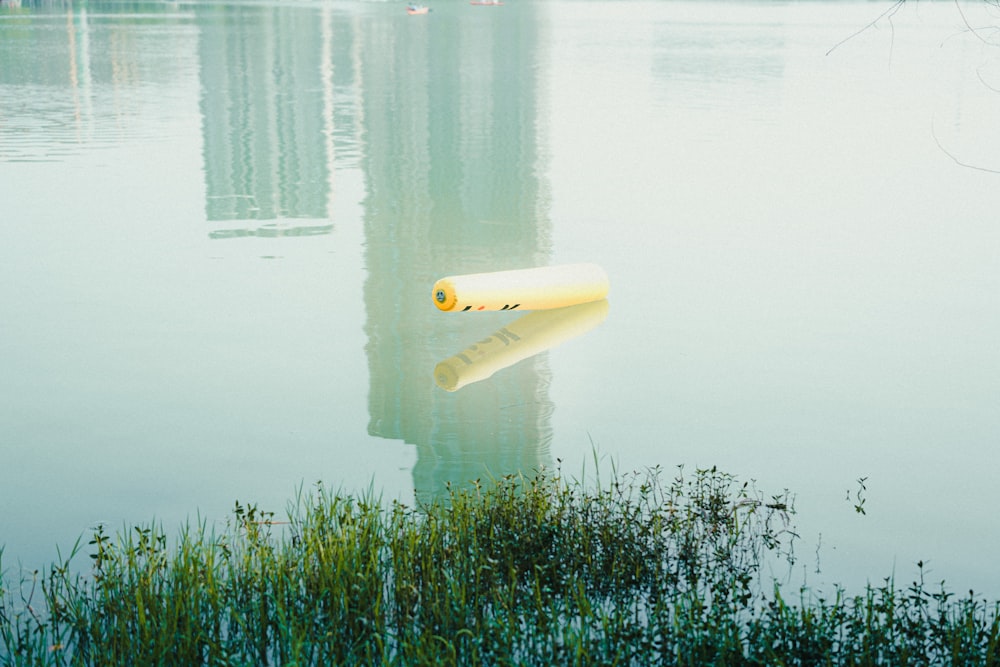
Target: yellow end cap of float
444,294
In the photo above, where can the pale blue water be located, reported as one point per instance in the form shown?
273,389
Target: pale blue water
221,223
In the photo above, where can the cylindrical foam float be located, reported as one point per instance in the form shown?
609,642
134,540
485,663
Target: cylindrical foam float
522,338
522,289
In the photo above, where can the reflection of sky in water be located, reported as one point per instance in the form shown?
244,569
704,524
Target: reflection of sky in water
819,304
804,284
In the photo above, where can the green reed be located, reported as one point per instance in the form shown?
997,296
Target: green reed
640,570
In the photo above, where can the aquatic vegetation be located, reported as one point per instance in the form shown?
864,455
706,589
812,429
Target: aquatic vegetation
640,570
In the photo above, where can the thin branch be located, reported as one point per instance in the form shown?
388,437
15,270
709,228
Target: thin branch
955,159
888,12
974,31
983,81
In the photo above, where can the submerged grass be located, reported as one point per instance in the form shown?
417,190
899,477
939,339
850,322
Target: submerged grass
639,571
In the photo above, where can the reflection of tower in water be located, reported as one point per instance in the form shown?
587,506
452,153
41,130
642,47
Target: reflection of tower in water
451,162
267,103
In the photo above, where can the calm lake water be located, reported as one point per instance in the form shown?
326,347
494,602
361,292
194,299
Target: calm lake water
221,223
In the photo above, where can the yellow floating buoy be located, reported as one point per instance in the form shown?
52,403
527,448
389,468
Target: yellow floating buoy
524,337
522,289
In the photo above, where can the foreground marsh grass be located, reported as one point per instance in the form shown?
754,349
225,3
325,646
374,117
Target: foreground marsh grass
527,572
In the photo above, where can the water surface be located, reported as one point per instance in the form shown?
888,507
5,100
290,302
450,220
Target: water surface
221,223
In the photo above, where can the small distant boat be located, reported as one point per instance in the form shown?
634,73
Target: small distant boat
417,9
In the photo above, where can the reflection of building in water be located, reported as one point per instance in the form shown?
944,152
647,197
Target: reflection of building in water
451,162
84,82
271,230
268,108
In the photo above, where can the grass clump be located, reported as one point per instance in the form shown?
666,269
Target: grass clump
541,571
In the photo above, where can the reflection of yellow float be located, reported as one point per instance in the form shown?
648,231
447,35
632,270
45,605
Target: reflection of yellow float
522,338
522,289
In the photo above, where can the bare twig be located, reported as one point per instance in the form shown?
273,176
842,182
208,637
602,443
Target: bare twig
887,13
974,31
983,81
955,159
